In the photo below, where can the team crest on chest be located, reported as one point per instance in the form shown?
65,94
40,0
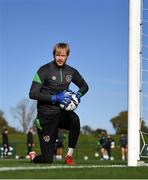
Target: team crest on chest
68,78
53,78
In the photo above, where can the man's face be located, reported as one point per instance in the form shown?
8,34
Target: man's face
60,57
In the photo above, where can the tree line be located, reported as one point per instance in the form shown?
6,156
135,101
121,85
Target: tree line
25,113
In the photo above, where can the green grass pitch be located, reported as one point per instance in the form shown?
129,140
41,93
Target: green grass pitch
93,168
22,168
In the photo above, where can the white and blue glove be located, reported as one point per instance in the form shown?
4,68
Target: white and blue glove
62,97
78,95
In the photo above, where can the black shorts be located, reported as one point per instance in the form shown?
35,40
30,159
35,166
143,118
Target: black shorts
51,123
124,146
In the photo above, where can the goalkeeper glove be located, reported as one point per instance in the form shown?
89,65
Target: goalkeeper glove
62,97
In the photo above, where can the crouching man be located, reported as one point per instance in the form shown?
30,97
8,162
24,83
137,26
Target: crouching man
49,85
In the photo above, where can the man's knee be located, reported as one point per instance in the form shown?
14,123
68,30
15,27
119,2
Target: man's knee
42,159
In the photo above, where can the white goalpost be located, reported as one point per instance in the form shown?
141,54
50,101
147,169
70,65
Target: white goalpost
134,81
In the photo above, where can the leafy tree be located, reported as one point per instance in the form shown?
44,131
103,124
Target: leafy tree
86,129
144,128
98,131
120,122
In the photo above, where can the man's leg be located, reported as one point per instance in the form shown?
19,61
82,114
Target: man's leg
123,153
71,122
47,134
29,149
47,149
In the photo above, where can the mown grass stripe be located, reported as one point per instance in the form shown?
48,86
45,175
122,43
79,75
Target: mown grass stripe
59,167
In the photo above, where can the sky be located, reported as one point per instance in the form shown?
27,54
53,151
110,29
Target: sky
97,32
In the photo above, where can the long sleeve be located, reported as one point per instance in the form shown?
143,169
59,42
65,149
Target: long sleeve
80,82
36,92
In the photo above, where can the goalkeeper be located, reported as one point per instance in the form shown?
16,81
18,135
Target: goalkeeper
48,87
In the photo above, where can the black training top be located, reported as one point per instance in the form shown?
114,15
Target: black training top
51,79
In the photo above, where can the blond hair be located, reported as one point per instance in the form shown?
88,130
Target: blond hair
61,46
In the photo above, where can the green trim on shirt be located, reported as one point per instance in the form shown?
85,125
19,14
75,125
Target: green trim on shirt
80,94
37,78
37,124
